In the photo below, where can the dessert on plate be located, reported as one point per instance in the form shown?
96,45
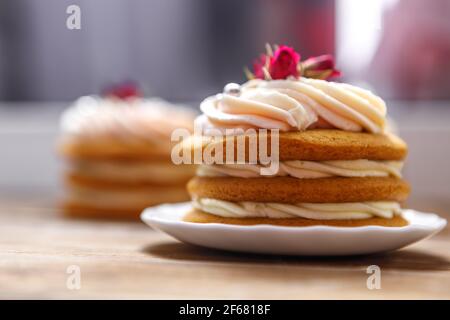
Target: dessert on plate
116,149
338,164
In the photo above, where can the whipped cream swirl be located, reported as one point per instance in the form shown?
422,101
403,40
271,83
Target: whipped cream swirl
290,105
317,211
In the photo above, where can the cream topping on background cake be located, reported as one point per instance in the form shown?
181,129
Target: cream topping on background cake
129,120
317,211
308,169
291,105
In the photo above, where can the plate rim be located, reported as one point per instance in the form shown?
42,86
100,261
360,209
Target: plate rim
436,226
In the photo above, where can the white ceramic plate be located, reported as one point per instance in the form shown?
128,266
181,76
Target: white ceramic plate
315,240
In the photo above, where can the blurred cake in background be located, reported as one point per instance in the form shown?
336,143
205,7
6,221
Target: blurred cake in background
117,153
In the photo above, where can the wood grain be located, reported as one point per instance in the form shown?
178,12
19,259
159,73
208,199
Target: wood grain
129,260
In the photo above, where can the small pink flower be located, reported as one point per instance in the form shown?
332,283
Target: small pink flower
123,91
284,63
321,67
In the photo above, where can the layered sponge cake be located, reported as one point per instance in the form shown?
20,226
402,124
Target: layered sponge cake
310,187
117,155
337,163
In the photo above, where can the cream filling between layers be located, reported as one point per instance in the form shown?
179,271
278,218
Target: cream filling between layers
315,211
308,169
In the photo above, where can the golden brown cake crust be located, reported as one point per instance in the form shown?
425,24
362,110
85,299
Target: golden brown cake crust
293,190
203,217
87,205
322,145
111,149
116,201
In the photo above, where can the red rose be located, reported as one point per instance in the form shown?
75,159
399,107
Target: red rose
321,67
258,66
123,91
284,63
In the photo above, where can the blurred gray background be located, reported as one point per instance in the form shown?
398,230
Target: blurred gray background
176,49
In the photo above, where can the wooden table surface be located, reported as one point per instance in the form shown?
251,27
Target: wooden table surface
129,260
